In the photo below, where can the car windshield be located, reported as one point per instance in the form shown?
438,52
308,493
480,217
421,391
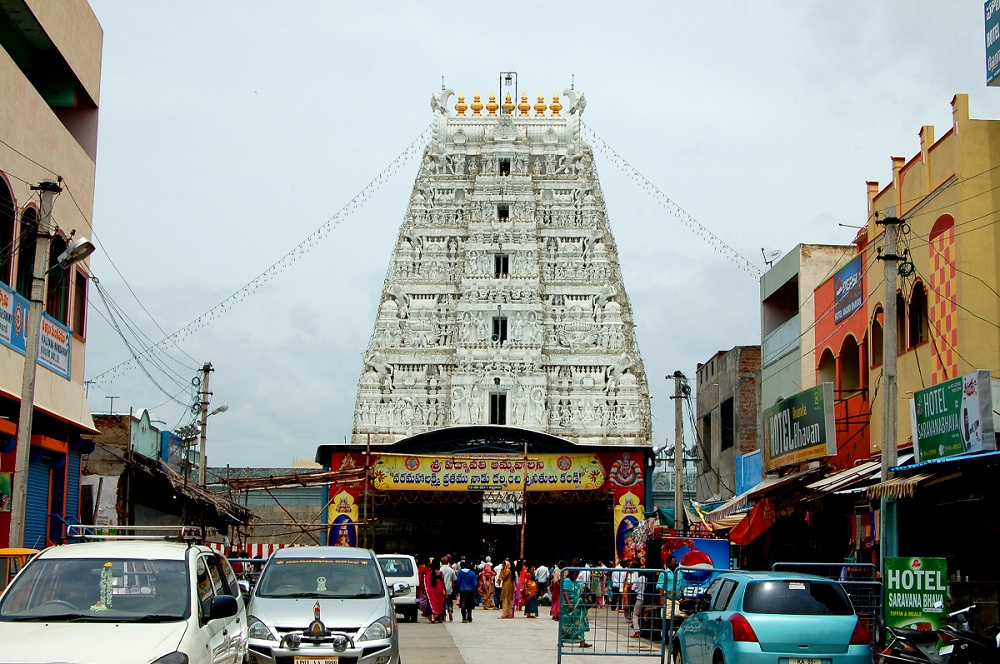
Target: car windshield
396,567
320,577
797,597
99,590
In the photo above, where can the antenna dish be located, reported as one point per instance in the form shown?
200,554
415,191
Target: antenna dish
770,256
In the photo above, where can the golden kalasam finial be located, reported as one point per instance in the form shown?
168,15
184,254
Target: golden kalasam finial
461,106
540,107
508,105
476,106
555,106
492,106
524,106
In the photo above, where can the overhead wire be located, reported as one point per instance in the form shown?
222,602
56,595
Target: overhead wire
282,263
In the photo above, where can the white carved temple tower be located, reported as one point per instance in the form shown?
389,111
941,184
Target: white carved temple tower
505,303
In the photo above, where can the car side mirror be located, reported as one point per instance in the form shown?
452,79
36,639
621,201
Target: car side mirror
689,605
400,589
223,606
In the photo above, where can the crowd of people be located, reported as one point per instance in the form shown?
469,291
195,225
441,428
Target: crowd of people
512,587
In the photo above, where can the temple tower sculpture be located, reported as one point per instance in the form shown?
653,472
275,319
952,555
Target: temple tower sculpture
505,303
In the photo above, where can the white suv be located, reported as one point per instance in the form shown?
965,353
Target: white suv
399,568
323,604
124,601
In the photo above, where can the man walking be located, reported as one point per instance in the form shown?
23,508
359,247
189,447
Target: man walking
617,582
449,575
467,585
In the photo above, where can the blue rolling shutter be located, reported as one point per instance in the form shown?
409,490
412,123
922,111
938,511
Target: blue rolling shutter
36,518
73,486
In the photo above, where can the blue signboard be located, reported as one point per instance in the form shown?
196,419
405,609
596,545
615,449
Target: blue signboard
55,343
991,11
848,290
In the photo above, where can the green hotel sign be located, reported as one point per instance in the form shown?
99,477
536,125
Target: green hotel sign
800,428
953,417
916,592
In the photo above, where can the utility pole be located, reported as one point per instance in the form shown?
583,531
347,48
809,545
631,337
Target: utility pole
19,499
679,517
206,371
888,543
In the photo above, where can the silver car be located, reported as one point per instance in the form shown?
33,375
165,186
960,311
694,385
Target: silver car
323,604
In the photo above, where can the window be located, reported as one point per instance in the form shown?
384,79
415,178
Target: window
503,212
706,441
501,265
504,166
728,424
876,339
918,315
826,372
80,304
499,329
850,364
498,408
7,218
900,324
797,597
57,285
725,592
26,251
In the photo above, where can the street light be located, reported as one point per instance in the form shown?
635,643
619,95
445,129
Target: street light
77,250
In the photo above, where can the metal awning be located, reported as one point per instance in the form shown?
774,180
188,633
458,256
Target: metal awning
762,488
906,487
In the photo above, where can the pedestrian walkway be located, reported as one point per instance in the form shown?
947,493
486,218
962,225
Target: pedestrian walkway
488,640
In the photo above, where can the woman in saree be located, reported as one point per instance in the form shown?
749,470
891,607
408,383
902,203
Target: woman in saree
555,589
486,586
574,624
506,577
520,575
530,594
434,589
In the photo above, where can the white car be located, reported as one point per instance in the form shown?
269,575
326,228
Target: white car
399,568
321,605
159,602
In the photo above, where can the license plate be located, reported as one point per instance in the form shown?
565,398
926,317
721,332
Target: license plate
335,660
804,660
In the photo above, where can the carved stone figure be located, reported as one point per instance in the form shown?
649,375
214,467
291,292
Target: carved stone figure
375,362
615,371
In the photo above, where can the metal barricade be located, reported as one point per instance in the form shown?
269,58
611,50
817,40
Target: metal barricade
860,581
630,624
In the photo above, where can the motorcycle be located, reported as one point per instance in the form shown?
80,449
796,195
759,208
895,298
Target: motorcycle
954,643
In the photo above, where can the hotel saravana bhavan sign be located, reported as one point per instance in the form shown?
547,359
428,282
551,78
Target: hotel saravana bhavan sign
953,417
800,428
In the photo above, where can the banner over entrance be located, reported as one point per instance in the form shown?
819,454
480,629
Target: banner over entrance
545,472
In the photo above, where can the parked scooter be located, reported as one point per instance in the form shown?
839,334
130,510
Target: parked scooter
954,643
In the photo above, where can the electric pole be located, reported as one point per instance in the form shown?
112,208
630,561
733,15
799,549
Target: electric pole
19,497
888,542
679,517
206,371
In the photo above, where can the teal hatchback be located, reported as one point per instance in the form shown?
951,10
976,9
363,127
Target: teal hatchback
772,618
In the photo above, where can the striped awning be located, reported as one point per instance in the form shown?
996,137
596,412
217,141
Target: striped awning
899,487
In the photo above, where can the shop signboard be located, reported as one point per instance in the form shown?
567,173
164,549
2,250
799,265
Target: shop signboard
849,294
545,472
953,417
800,428
991,11
916,592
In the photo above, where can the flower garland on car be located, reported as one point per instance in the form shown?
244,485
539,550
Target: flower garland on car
104,603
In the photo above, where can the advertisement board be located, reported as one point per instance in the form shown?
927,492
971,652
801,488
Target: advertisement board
991,13
953,417
848,290
916,592
800,428
545,472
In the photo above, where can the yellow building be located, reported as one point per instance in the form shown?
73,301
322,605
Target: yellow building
50,74
948,310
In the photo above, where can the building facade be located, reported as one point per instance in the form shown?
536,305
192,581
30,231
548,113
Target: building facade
50,74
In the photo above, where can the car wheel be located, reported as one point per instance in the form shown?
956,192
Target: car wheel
717,658
411,615
678,656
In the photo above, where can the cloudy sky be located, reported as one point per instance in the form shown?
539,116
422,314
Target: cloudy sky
235,136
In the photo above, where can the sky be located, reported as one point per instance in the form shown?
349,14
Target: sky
235,139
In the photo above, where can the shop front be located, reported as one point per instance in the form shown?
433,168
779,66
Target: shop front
488,490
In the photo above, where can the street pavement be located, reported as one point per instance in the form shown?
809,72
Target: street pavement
488,640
